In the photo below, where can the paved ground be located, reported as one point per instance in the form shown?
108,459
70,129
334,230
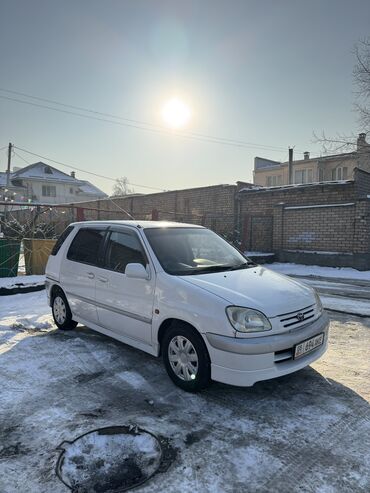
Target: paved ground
307,432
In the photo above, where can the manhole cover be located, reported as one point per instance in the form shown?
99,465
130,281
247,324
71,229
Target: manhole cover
109,460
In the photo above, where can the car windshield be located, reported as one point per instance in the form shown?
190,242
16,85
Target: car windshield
189,251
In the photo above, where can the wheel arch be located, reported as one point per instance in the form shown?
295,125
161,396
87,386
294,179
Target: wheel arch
53,291
169,322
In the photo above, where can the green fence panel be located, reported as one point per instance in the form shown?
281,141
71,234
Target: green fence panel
9,257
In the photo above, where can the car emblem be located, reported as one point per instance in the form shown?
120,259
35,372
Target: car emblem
300,316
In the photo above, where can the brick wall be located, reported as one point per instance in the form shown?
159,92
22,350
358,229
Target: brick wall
332,219
319,229
291,221
212,206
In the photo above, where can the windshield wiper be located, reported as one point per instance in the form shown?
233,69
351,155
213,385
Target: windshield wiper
219,268
244,265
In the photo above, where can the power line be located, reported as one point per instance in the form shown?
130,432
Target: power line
84,171
137,124
18,155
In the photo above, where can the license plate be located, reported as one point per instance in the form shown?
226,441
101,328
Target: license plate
307,346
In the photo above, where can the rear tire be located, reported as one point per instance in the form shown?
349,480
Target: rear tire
186,358
61,312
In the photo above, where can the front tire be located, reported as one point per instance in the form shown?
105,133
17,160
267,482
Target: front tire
186,358
61,312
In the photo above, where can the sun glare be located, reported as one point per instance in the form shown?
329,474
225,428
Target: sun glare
175,113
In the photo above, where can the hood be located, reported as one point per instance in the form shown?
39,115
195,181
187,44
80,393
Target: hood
256,287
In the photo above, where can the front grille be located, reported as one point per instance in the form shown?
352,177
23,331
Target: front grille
297,318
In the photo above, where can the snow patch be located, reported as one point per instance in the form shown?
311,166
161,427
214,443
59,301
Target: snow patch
132,378
13,282
258,254
30,313
348,305
315,270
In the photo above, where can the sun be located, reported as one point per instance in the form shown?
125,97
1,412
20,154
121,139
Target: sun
175,113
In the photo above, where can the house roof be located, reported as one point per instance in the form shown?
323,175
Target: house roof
262,164
36,171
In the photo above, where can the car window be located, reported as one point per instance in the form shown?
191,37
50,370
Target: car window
85,246
122,249
61,240
188,251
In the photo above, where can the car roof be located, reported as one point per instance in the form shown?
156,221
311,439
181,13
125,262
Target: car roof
138,224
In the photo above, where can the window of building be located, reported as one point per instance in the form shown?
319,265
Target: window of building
48,170
309,176
340,173
273,181
86,245
49,191
300,176
122,249
71,190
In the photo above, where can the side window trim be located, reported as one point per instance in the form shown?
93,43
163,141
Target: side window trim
114,229
61,240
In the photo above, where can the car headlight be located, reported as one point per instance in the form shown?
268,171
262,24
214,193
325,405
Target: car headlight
320,308
247,320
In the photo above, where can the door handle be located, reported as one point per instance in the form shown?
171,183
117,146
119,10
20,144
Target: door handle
102,279
90,275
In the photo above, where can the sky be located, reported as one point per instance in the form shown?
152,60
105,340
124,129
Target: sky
267,73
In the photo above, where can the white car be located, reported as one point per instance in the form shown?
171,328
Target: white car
182,291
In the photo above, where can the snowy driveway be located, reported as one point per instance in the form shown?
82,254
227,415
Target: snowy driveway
307,432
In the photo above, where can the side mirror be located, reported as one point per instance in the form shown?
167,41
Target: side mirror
136,271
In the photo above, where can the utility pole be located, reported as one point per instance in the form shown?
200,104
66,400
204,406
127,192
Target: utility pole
10,148
290,166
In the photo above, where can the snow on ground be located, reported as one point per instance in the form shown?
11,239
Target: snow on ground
258,254
315,270
348,305
305,432
13,282
20,316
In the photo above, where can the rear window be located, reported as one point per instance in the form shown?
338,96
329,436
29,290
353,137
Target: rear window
61,240
86,245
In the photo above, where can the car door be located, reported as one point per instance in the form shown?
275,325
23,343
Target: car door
125,304
78,271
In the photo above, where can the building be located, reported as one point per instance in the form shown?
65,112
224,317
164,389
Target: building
325,223
42,183
336,167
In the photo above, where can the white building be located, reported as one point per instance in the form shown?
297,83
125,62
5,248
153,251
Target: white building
40,183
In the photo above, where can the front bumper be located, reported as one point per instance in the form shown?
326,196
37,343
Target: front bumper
243,362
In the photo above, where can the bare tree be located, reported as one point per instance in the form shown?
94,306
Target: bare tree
361,76
121,187
361,80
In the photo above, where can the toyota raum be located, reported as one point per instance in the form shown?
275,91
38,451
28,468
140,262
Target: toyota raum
183,292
